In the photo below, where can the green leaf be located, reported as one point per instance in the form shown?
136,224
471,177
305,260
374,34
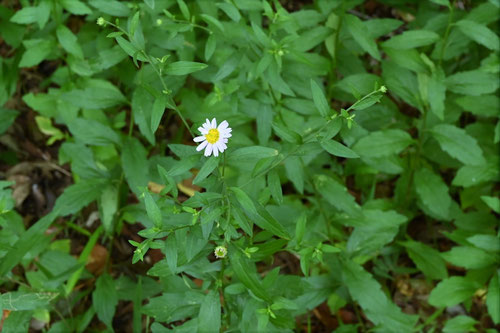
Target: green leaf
361,35
485,105
460,324
294,168
231,11
135,165
488,243
378,308
210,164
433,192
76,7
244,200
460,145
479,33
337,195
159,106
79,195
427,259
7,117
69,42
285,133
252,153
37,50
492,202
274,183
105,299
92,132
39,14
184,67
210,46
319,99
412,39
493,298
452,291
337,149
29,239
383,143
108,205
111,7
211,20
247,274
23,301
103,95
184,9
209,318
152,209
472,83
471,175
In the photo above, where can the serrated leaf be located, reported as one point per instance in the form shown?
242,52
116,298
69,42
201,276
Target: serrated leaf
433,192
244,200
184,67
426,259
460,145
378,308
105,299
76,7
337,149
383,143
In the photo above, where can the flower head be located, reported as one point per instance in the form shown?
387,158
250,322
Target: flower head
213,138
220,252
101,21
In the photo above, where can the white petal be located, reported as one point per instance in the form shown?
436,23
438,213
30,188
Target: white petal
202,145
223,145
214,123
222,126
199,138
216,150
208,150
224,140
227,135
207,123
203,130
220,146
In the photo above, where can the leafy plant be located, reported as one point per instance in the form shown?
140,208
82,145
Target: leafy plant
360,178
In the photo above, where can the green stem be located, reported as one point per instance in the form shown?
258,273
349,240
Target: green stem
165,88
447,33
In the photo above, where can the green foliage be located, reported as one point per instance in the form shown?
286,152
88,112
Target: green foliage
363,155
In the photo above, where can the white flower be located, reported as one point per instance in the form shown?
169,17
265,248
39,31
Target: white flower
220,252
213,138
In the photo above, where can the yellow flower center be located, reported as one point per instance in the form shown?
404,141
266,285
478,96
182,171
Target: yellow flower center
213,136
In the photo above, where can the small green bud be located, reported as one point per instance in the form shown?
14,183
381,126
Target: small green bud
159,22
383,89
220,252
101,21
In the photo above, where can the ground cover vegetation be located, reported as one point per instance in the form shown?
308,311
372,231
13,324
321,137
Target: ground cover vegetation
346,178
